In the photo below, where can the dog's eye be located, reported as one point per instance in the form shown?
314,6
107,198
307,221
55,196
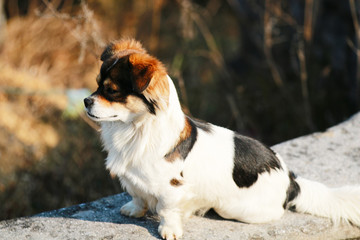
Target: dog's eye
111,91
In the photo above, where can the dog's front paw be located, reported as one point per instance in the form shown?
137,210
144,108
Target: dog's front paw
130,209
170,233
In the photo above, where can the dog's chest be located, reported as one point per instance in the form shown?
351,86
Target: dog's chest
148,173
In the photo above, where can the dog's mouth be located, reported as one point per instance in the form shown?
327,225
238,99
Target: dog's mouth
91,115
100,118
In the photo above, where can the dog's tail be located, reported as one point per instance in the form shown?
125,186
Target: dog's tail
339,204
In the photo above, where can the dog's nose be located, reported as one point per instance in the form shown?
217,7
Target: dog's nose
88,102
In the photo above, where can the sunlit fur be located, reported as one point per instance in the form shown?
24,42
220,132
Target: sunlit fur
138,143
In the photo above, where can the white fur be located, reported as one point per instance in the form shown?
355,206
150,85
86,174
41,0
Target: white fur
339,204
137,144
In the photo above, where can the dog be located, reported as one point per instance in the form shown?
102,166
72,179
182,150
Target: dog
177,166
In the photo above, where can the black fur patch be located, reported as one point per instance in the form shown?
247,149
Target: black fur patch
205,126
292,191
150,104
184,146
108,52
251,159
118,71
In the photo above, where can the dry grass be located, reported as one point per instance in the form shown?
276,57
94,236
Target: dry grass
47,160
47,48
36,67
23,131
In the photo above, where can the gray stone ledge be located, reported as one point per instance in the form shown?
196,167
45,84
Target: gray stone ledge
331,157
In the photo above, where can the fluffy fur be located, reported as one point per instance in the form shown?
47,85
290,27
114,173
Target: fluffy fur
176,166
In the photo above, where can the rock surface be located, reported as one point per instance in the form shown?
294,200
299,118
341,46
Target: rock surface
331,157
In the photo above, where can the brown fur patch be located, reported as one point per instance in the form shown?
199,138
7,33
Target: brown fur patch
103,101
109,84
185,134
171,157
127,44
113,175
150,76
122,48
159,85
144,66
175,182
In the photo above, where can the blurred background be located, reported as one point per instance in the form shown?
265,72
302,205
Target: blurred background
270,69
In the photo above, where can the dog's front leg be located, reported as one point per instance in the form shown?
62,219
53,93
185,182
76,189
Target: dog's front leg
170,222
135,208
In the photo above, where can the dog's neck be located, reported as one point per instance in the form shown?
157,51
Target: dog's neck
147,137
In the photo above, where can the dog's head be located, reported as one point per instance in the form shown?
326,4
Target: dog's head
131,83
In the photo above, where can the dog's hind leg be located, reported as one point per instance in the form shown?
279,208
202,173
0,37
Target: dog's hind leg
257,214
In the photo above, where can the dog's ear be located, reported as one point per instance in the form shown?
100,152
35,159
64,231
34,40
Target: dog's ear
143,68
108,52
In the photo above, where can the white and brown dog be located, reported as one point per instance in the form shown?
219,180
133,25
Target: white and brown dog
177,166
